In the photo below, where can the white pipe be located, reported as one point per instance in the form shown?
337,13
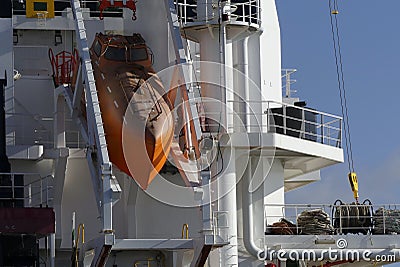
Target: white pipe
59,120
212,86
52,250
248,234
241,85
246,82
73,229
230,88
248,224
227,202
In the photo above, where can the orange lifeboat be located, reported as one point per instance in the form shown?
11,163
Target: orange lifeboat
136,113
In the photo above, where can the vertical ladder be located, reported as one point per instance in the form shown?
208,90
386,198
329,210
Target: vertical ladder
186,167
181,59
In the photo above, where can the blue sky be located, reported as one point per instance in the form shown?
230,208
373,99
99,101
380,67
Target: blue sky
370,43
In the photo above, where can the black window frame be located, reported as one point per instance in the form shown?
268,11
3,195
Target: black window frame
111,49
132,49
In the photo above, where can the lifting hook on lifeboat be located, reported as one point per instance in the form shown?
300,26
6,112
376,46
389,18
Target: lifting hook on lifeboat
131,4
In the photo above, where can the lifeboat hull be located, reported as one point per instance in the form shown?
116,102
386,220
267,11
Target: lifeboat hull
137,118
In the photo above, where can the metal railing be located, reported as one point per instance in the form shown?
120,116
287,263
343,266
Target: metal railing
220,225
286,119
287,82
187,10
341,219
34,129
28,129
61,8
247,12
25,190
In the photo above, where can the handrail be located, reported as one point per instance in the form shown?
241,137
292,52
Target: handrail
185,231
30,191
220,229
287,105
34,129
378,218
21,173
287,119
247,12
148,262
60,10
80,233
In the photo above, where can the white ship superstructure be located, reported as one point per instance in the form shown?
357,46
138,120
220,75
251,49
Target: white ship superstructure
238,145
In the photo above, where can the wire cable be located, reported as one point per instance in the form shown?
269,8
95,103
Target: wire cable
333,7
221,52
344,89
